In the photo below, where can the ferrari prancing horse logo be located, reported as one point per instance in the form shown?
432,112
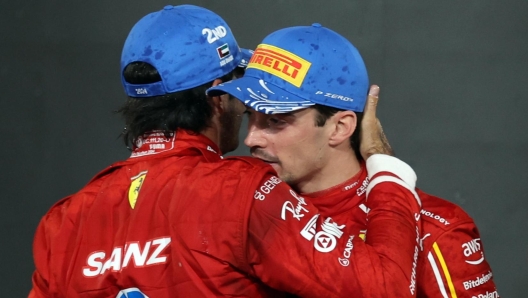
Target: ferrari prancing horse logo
135,187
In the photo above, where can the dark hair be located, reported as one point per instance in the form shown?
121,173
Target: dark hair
188,109
325,112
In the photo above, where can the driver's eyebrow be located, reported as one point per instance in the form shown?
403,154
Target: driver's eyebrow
284,115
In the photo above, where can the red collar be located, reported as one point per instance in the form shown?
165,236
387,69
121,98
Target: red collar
342,197
181,143
155,143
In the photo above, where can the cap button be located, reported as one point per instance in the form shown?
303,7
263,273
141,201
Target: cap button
317,25
168,7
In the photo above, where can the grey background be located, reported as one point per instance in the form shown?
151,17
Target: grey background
453,77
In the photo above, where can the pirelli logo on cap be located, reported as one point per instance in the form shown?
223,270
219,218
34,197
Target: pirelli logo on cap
280,63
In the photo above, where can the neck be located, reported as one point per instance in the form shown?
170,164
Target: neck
212,132
338,168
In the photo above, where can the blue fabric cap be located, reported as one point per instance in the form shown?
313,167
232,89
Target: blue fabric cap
246,56
297,67
187,44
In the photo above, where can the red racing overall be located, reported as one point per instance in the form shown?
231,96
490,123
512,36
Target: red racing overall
175,219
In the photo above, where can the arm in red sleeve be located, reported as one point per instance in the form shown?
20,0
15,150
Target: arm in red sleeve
293,249
456,267
46,230
40,256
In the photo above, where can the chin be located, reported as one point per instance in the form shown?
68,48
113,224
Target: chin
288,178
275,167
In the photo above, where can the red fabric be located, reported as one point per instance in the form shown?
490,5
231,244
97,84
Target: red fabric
203,226
466,272
346,205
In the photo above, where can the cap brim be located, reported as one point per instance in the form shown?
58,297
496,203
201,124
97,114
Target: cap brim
261,96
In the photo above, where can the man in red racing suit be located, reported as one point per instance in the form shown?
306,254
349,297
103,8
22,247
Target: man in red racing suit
451,261
186,222
311,139
175,219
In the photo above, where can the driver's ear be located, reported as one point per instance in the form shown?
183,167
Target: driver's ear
345,123
217,82
216,100
219,101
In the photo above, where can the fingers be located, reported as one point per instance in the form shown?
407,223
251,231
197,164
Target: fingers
373,140
374,91
372,102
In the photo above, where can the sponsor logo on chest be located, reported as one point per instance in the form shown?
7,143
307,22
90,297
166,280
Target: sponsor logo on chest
266,188
344,261
325,240
297,210
363,187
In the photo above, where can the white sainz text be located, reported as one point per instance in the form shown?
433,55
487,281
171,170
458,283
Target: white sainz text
148,254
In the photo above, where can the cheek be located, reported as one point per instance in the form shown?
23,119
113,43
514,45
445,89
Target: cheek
306,149
239,106
293,151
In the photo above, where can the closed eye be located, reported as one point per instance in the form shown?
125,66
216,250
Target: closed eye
276,121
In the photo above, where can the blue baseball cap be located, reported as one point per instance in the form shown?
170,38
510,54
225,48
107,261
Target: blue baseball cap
246,56
188,45
297,67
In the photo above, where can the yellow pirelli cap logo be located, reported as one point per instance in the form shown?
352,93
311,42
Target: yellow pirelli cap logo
280,63
135,187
